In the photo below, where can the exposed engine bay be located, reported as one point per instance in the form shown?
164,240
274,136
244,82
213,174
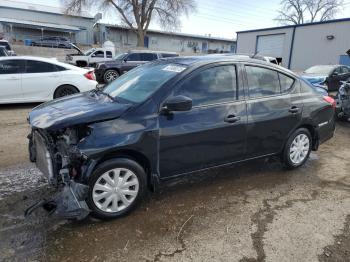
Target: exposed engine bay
58,158
343,101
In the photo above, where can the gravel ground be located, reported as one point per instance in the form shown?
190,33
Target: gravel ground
255,211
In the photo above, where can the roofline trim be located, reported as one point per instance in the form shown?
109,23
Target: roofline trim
295,26
172,33
48,12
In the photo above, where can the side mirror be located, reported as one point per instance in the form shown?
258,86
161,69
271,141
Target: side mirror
178,103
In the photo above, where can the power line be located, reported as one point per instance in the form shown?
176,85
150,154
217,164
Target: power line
223,6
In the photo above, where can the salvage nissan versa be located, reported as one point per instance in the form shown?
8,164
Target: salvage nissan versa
172,117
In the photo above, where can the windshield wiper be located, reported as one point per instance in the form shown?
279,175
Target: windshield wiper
98,92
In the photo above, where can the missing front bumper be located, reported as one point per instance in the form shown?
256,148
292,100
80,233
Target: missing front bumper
68,203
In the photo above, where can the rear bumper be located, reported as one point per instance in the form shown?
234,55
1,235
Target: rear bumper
326,130
99,75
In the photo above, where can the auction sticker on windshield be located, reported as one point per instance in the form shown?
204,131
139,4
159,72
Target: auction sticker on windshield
174,68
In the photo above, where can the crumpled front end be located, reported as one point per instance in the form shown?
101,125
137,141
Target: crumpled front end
57,157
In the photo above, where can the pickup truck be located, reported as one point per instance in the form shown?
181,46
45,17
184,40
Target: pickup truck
89,57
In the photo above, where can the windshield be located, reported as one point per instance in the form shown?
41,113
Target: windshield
89,52
320,70
138,84
120,56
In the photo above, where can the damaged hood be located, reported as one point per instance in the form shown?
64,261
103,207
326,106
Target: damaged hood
77,48
83,108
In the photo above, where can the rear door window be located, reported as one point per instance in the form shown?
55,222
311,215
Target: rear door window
148,57
109,54
99,54
210,86
345,70
134,57
14,66
262,82
39,67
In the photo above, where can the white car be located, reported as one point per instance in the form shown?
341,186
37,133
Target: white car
35,79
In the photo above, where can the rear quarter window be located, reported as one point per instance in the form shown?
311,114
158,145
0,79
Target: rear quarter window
286,82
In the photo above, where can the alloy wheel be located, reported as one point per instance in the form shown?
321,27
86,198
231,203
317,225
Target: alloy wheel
115,190
111,75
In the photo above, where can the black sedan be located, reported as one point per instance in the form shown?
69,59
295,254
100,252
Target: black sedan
170,118
53,41
327,75
108,71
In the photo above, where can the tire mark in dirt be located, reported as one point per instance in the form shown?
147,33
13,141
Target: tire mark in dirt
265,216
339,251
179,250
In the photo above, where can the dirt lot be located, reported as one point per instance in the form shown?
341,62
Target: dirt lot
249,212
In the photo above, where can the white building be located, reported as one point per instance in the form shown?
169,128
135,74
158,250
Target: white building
20,21
124,39
300,46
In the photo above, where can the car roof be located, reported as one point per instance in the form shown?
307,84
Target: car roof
42,59
3,40
208,59
151,51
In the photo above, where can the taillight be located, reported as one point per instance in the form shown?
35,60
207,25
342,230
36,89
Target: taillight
90,75
330,100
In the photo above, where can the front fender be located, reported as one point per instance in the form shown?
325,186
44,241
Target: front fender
116,135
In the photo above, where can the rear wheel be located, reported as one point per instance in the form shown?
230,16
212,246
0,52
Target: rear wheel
297,149
65,90
115,188
110,75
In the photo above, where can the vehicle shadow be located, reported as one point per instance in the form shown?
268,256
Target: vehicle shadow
18,106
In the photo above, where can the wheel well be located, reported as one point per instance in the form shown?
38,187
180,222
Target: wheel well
54,93
133,155
314,135
81,62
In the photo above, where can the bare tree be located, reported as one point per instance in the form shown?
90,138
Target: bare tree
305,11
138,14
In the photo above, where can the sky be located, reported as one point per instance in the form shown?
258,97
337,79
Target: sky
219,18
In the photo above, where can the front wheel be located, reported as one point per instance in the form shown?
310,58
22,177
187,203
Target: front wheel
297,149
115,188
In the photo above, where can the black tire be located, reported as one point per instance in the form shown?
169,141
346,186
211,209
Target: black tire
286,155
108,166
110,75
65,90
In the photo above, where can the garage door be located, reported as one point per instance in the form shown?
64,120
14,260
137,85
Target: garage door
270,45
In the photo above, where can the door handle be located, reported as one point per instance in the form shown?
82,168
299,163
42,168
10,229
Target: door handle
232,119
294,110
54,75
